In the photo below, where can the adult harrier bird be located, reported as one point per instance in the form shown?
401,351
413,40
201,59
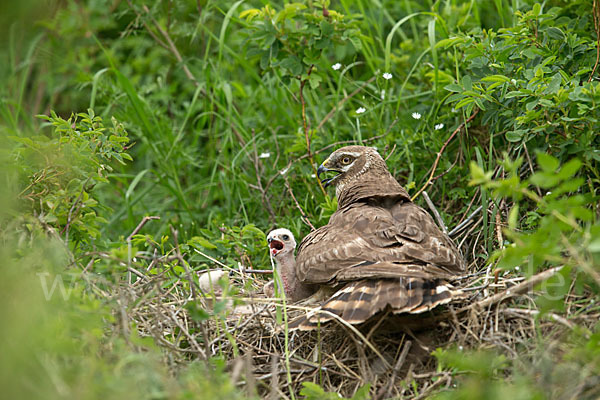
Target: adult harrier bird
379,249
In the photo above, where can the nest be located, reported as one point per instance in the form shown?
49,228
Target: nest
391,353
388,352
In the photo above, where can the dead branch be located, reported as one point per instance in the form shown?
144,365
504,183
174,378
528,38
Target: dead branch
516,290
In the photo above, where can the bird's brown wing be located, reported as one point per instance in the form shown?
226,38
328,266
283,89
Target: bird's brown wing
377,240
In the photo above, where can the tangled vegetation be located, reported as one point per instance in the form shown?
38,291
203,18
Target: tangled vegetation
144,143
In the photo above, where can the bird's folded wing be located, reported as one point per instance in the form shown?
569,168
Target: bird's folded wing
366,240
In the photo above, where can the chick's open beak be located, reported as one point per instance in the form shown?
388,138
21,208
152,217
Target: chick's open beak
275,246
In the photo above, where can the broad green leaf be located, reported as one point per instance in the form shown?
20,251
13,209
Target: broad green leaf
555,33
514,136
554,84
547,162
453,87
293,64
463,102
569,169
315,80
495,78
202,242
467,82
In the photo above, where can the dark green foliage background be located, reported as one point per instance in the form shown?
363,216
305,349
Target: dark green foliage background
190,110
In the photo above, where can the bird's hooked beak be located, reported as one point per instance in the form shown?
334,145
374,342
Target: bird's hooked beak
325,168
275,246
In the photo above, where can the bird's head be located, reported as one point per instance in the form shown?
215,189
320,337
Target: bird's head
281,241
349,163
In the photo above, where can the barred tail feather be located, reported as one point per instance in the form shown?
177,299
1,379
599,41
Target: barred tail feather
358,301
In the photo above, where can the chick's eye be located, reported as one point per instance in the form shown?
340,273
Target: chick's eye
346,160
285,237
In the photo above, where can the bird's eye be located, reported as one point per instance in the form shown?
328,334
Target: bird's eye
285,237
346,160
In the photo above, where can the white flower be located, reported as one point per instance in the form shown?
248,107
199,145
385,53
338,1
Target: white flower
387,76
438,127
264,155
360,110
336,66
383,94
416,115
313,176
517,268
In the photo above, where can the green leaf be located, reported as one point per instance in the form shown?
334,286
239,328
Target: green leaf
531,105
314,80
544,180
555,33
467,82
323,43
495,78
554,84
513,217
463,102
326,29
514,136
478,176
547,162
512,94
293,64
199,240
445,43
250,14
453,87
362,393
569,169
311,390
